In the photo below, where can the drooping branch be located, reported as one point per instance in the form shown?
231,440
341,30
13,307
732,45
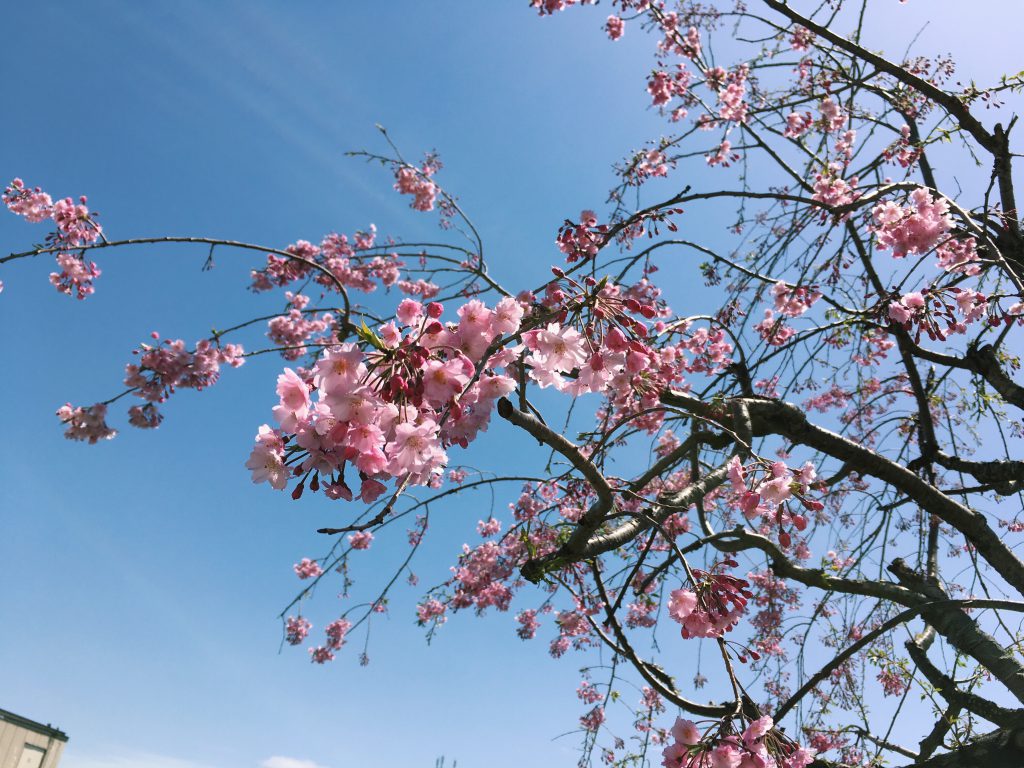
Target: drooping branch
211,241
653,674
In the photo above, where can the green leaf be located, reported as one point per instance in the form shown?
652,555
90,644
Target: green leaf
364,333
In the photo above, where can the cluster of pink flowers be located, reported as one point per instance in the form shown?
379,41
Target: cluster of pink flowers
588,693
801,38
593,720
75,276
723,155
711,349
76,227
653,163
528,624
581,240
481,578
797,124
75,224
833,116
267,459
165,367
732,104
959,256
144,416
336,632
416,182
87,424
574,630
34,204
390,411
360,540
893,679
823,741
909,308
292,330
769,499
773,330
664,86
606,349
833,190
489,528
790,301
902,150
424,289
958,307
759,745
615,26
431,611
915,229
793,301
355,264
687,45
296,630
834,397
844,146
713,606
307,569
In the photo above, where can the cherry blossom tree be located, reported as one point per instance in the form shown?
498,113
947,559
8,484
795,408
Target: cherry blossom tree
811,490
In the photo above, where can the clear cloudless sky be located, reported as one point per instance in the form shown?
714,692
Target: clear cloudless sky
140,579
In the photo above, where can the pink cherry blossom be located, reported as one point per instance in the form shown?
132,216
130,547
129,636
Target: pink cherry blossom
297,629
912,230
360,539
615,27
87,424
307,569
34,204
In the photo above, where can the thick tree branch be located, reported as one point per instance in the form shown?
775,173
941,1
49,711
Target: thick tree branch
951,692
984,362
963,632
999,749
775,417
1005,475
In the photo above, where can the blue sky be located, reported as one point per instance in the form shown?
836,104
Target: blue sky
140,579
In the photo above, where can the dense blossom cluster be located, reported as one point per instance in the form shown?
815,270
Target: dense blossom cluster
307,569
416,182
338,263
759,745
392,411
714,605
912,230
76,226
162,368
88,424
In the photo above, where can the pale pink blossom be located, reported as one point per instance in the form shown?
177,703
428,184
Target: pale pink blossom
307,569
360,539
87,424
615,27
